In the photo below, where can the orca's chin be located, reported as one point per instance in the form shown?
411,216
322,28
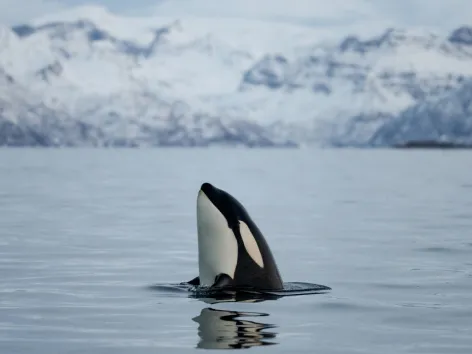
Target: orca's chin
217,245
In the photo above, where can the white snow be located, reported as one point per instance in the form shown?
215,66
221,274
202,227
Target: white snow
202,62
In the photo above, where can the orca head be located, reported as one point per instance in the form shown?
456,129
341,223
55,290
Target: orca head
222,228
221,200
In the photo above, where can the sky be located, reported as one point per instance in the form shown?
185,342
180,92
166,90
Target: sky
427,13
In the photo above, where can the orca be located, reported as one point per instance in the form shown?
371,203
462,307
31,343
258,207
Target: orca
232,252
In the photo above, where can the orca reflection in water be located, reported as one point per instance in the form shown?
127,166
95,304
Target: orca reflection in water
221,329
232,250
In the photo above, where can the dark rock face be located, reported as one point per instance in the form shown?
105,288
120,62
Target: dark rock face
269,71
462,35
14,135
445,121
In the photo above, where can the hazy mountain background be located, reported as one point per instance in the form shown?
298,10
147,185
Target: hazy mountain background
189,73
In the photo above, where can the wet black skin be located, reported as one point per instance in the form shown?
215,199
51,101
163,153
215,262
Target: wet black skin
248,273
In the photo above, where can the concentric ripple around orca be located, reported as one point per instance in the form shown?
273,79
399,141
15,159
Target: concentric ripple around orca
240,294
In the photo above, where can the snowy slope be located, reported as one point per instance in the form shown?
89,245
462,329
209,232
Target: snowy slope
197,82
26,121
382,74
447,119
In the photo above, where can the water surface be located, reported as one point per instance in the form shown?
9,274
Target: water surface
84,233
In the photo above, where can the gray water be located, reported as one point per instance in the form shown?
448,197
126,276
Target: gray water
85,233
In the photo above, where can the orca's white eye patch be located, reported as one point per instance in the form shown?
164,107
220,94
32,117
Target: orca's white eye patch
250,244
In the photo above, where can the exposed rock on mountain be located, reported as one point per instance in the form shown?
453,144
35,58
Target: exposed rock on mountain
162,82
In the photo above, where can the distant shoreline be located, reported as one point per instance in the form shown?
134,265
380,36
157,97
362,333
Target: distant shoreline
431,144
414,144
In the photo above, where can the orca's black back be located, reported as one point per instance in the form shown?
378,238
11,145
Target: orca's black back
248,273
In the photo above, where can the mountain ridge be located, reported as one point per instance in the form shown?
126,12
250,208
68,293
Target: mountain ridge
174,86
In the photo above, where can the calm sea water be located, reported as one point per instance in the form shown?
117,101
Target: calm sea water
84,233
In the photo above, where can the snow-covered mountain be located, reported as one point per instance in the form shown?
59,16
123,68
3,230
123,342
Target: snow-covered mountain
92,78
447,119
